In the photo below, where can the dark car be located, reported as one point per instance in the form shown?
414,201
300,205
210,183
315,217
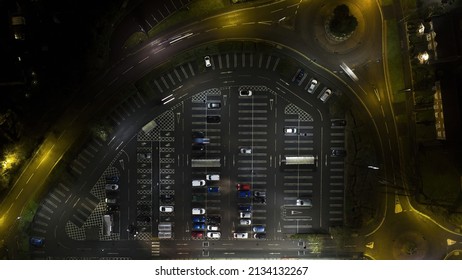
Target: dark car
244,194
259,199
197,234
198,219
213,220
338,153
37,241
198,147
201,140
260,235
213,189
132,229
299,76
167,198
213,119
143,218
338,123
199,226
198,134
112,207
112,179
243,187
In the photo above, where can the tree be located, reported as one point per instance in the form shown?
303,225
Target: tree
342,22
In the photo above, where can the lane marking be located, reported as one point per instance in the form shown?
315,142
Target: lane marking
19,194
30,178
275,11
143,59
127,70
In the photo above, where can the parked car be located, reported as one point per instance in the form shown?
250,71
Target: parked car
212,177
241,235
304,201
245,207
245,150
167,198
338,153
166,209
208,62
201,140
111,200
213,189
144,155
198,147
199,226
197,234
260,235
215,220
213,228
245,221
37,241
325,95
259,199
112,179
244,194
213,119
258,229
214,234
290,130
312,86
112,207
198,211
214,105
245,93
198,183
338,123
112,187
198,219
300,75
259,193
245,215
198,134
243,187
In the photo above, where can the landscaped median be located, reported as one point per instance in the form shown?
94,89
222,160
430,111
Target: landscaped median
395,62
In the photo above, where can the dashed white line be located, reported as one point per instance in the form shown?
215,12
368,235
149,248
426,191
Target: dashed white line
389,144
30,178
211,29
127,70
159,50
265,22
383,112
113,81
229,25
143,59
247,23
275,11
19,193
386,127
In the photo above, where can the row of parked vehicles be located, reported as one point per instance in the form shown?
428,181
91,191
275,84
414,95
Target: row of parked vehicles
245,212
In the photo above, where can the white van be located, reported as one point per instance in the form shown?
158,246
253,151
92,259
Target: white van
212,177
164,226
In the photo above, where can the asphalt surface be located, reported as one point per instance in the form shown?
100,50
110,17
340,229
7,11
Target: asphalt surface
263,23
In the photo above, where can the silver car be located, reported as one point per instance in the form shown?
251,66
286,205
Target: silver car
304,201
207,60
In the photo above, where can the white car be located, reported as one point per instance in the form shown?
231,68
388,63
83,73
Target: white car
312,86
166,209
246,150
112,187
213,234
325,95
207,60
212,177
245,93
198,211
213,228
290,130
245,221
241,235
198,183
304,202
245,215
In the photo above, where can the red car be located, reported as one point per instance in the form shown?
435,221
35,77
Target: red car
197,234
243,187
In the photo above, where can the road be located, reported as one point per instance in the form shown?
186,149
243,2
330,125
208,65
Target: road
262,23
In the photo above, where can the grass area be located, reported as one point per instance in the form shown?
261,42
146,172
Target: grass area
387,2
440,171
395,61
135,39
